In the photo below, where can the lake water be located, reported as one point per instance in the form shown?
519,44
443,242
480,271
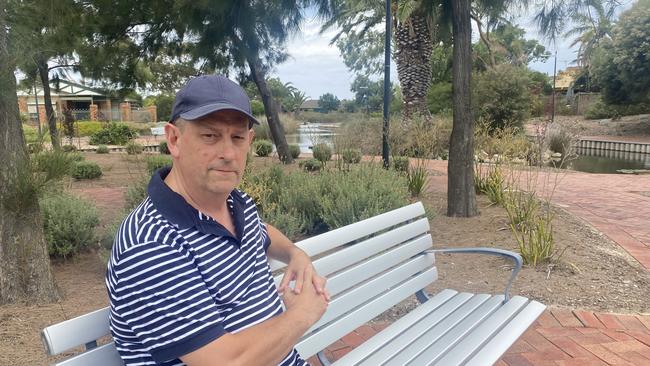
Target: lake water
607,161
311,134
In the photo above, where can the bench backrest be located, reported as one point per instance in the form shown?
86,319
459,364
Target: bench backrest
371,265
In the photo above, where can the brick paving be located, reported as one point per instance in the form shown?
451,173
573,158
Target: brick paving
617,205
559,337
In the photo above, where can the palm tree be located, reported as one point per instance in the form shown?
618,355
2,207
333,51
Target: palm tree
594,22
414,22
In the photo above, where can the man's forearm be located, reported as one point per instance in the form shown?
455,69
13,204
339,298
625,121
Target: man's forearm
266,343
281,247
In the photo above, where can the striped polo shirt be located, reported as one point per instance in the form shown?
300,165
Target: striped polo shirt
177,279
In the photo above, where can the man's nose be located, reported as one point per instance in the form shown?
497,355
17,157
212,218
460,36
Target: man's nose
227,149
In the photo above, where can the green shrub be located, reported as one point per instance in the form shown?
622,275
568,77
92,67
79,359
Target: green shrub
102,149
54,163
87,128
68,148
156,162
263,147
75,156
133,148
536,242
86,170
502,97
560,142
257,107
401,163
351,156
163,148
601,110
294,150
416,179
136,193
34,148
311,165
489,180
302,204
68,223
439,98
113,134
322,152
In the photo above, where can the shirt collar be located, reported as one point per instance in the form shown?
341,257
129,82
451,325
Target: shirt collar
177,211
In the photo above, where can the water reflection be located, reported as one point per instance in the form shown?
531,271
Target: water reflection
313,133
608,161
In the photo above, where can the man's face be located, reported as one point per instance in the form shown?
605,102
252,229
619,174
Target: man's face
210,153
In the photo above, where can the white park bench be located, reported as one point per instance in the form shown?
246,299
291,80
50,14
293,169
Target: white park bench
371,266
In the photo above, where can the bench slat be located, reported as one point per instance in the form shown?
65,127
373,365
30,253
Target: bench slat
442,303
436,349
104,355
429,330
368,269
484,332
337,237
74,332
358,296
313,343
501,341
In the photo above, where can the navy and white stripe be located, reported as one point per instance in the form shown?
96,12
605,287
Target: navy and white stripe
177,279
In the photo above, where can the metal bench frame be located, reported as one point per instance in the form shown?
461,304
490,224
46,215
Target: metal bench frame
371,266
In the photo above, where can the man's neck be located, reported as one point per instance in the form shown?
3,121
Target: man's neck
213,205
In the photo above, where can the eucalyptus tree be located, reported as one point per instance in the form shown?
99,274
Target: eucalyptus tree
25,273
217,35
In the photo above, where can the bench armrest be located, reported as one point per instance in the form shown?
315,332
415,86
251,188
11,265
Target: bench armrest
490,251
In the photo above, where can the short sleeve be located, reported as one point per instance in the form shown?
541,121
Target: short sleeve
265,236
158,292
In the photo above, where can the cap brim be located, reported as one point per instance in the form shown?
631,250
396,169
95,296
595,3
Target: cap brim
203,111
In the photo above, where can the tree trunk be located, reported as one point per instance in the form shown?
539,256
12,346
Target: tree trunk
43,72
25,273
413,59
461,197
270,109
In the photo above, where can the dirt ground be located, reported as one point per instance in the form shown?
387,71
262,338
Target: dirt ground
629,128
593,273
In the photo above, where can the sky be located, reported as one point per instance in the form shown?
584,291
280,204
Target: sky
316,67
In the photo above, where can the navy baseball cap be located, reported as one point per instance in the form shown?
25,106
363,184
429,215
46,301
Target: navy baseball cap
210,93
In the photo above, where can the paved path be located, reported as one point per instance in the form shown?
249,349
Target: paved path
558,338
618,205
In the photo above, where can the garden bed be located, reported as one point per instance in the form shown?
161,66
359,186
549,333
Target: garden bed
593,273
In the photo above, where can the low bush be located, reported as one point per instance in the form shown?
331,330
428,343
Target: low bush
351,156
489,180
311,165
68,148
136,193
86,170
133,148
302,204
34,148
560,141
263,147
68,223
113,134
102,149
416,179
294,150
401,163
156,162
87,128
54,163
322,152
163,148
601,110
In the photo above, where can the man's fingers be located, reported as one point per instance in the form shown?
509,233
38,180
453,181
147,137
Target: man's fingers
300,278
285,281
319,283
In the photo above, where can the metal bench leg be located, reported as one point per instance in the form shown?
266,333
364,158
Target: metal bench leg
323,359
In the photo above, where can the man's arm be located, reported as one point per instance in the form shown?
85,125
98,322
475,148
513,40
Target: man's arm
299,266
266,343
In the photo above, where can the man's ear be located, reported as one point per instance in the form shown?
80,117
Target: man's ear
251,136
173,134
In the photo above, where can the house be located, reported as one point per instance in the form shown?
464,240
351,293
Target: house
566,78
85,103
310,105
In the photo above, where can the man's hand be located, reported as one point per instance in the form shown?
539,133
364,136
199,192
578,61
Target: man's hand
301,270
306,306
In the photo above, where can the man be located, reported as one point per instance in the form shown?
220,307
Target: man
188,279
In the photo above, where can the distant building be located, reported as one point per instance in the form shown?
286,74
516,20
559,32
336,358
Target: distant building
310,105
85,103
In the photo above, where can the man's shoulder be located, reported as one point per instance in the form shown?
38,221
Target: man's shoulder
144,224
246,200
